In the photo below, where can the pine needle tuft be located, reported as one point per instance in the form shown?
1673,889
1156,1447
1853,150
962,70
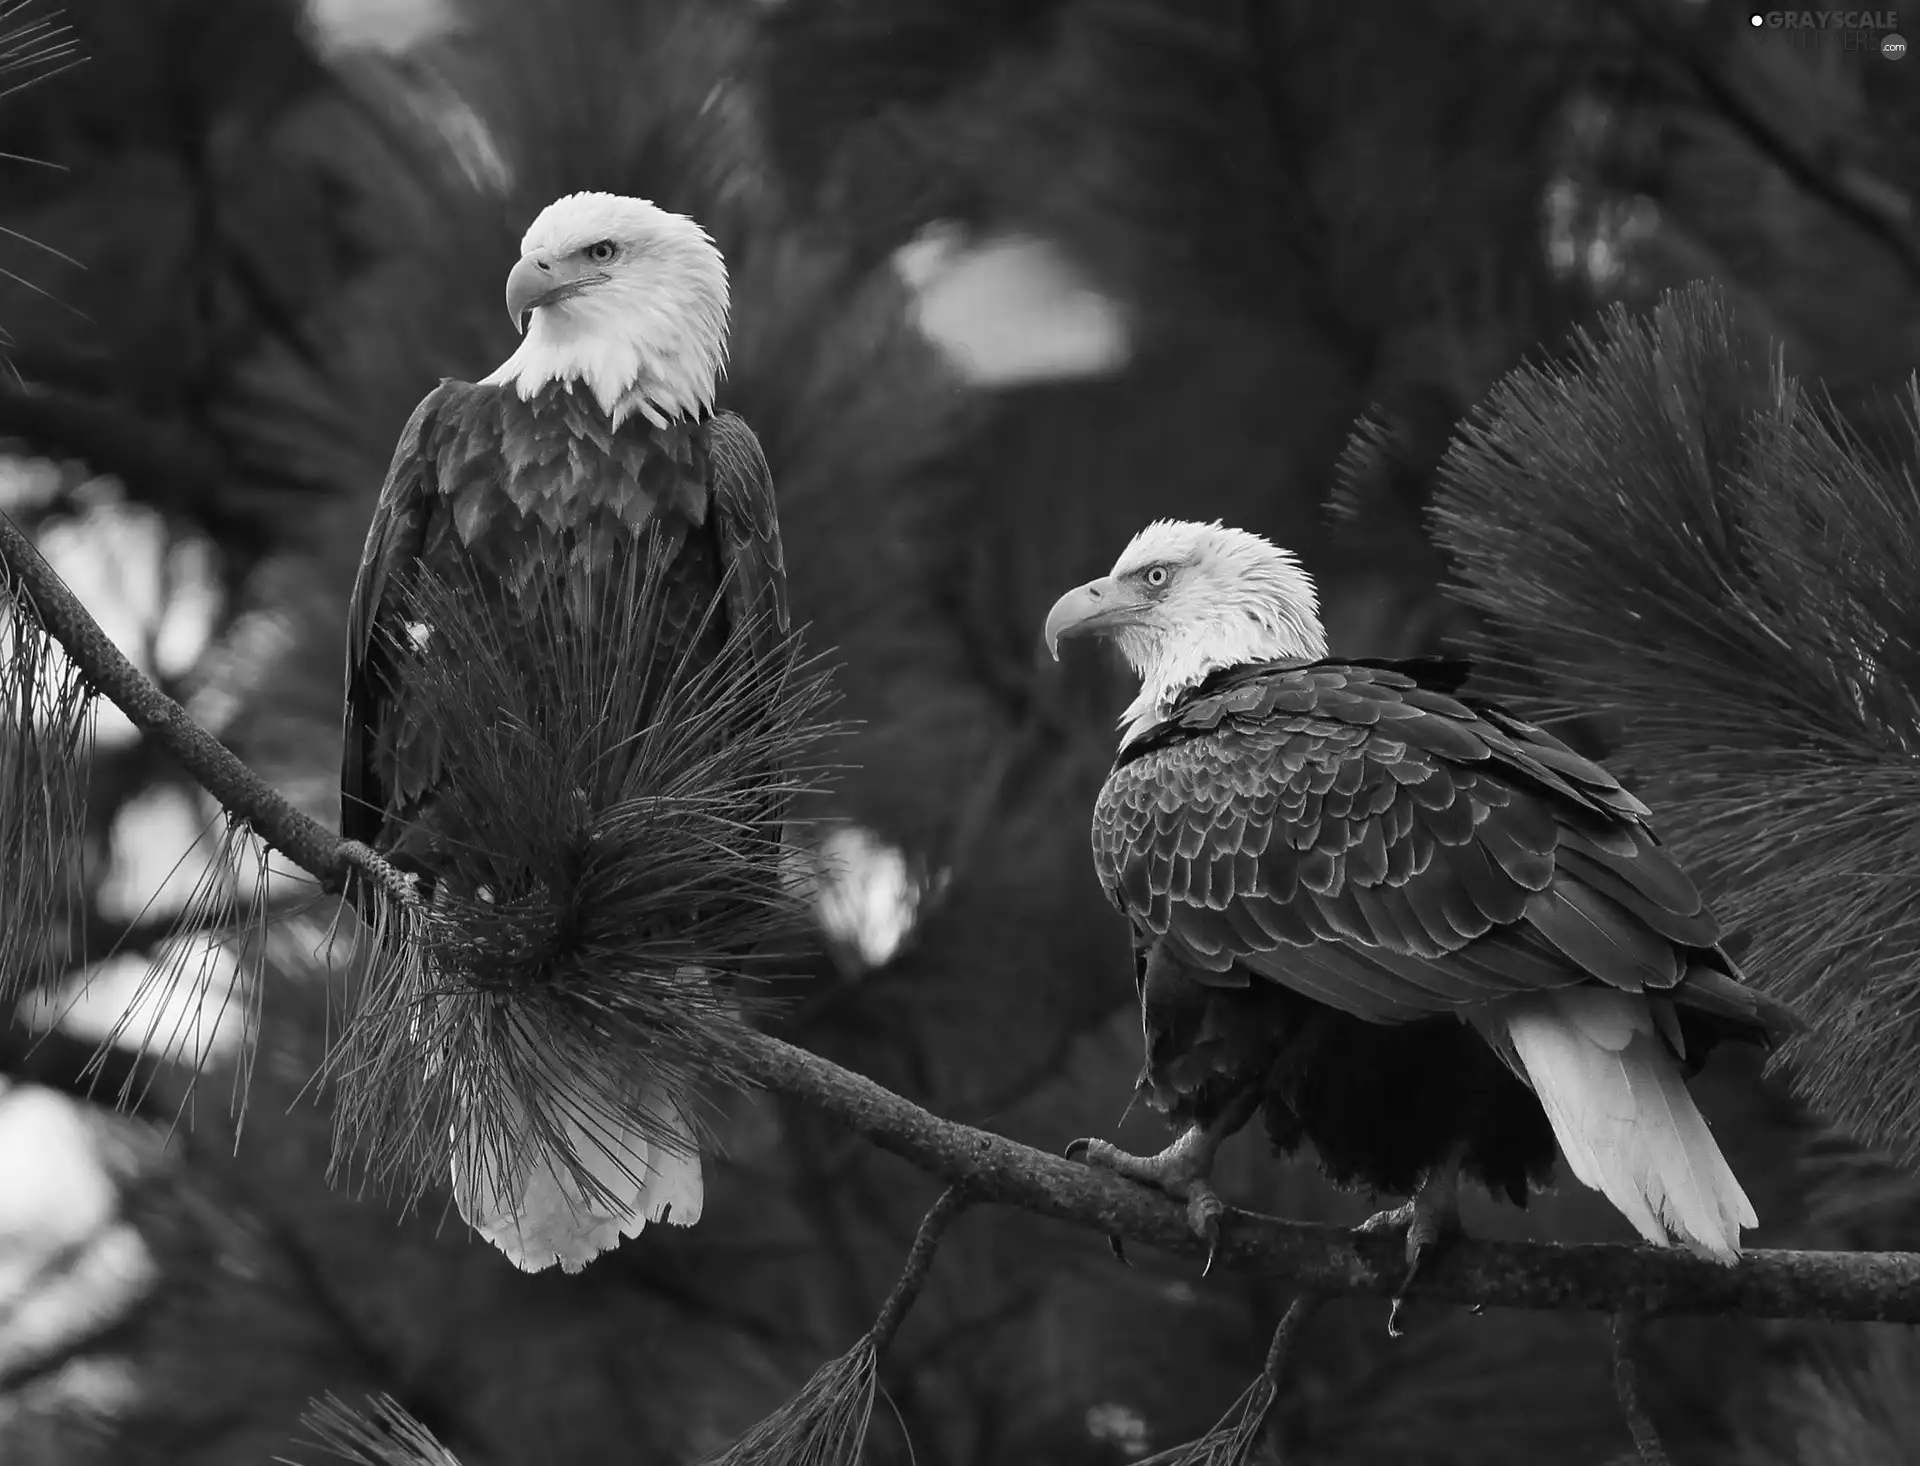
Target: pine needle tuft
391,1438
46,744
33,47
1671,529
599,901
1238,1434
825,1424
212,959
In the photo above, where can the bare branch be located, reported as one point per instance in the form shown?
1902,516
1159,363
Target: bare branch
913,1273
1626,1387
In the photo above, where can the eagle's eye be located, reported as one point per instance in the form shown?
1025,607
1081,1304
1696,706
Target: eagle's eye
1157,576
601,252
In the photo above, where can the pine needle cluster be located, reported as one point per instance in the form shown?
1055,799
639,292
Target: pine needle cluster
826,1421
46,741
392,1437
1671,529
34,44
606,882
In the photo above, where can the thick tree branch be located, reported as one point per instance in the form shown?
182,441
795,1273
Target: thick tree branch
241,792
1862,1287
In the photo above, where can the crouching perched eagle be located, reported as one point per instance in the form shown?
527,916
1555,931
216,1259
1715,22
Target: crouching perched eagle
592,459
1413,930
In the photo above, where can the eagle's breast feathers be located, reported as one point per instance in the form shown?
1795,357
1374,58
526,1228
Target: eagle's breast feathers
513,499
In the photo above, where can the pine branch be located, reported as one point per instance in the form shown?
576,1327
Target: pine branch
241,792
1626,1388
913,1273
1859,1287
825,1424
1240,1432
1882,1287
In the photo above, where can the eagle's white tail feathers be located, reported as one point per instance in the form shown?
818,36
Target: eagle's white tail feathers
538,1213
1619,1107
634,1139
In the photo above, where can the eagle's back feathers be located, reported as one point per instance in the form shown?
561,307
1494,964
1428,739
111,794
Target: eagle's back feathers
1375,839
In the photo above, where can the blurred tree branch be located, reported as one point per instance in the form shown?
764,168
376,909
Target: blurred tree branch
1822,166
162,467
1881,1287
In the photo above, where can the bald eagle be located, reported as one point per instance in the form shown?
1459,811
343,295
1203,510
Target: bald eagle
592,450
1409,928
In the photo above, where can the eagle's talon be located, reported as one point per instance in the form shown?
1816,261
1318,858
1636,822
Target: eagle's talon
1430,1220
1205,1214
1178,1172
1418,1251
1423,1240
1099,1153
1390,1220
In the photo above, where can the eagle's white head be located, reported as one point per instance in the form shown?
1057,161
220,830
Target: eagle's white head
624,298
1185,600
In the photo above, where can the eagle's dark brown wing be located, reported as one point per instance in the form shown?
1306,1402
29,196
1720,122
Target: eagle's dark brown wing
746,526
1392,851
394,541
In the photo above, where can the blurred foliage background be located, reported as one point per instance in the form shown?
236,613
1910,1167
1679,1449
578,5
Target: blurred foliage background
1011,278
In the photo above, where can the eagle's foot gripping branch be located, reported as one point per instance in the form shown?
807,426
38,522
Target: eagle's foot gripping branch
1430,1220
1181,1171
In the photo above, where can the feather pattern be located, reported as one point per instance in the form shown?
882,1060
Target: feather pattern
1347,804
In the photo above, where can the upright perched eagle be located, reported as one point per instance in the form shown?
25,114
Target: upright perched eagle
590,452
1415,931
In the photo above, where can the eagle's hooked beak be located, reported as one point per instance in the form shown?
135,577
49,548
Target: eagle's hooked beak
1099,605
539,279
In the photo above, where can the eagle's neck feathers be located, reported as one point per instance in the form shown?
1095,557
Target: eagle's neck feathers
1229,630
657,353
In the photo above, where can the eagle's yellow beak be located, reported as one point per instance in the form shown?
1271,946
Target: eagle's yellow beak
1098,606
539,279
